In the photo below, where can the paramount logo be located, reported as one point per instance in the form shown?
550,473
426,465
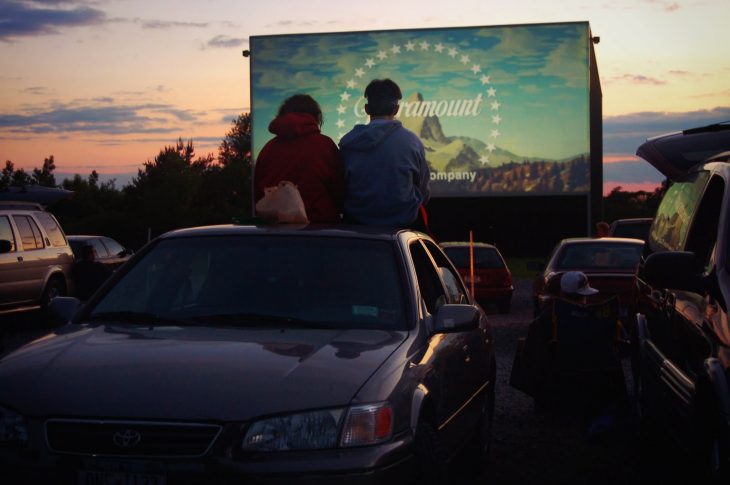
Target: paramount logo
441,108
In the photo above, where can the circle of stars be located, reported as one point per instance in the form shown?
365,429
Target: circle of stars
473,69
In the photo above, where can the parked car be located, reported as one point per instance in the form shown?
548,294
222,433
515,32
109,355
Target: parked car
609,263
280,353
683,362
35,257
108,251
492,277
636,228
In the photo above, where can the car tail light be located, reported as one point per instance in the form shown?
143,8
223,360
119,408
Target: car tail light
368,425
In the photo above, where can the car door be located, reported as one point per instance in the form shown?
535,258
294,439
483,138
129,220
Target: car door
476,347
11,264
447,378
678,344
31,256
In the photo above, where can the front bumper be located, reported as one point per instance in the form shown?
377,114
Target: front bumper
392,462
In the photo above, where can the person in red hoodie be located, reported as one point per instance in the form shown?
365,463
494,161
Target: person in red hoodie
301,154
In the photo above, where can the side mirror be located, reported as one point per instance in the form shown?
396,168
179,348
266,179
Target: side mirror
5,246
456,318
64,307
676,270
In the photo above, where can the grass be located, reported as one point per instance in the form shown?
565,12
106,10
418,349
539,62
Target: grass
518,266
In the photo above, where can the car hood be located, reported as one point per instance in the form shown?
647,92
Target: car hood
675,153
190,373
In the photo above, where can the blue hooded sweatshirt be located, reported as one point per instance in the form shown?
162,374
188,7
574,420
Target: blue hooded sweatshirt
386,174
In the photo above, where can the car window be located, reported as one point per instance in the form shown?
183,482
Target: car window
114,248
341,283
6,232
53,230
99,247
675,213
634,230
449,275
484,258
30,235
429,281
703,233
598,255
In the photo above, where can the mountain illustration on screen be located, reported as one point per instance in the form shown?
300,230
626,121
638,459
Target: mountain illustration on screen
506,172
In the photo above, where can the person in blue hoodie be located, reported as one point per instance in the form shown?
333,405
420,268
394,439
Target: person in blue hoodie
386,173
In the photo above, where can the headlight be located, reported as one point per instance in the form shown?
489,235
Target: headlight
12,427
315,430
304,431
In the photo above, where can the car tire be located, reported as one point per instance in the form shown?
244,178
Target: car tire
478,451
56,286
430,457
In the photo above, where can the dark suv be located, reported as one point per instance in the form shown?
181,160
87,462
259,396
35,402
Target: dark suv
682,363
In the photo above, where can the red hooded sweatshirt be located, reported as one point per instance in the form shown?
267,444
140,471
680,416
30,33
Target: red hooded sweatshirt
301,154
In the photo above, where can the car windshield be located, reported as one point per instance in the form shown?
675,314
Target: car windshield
484,258
259,280
599,255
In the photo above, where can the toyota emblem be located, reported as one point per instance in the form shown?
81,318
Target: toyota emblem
127,438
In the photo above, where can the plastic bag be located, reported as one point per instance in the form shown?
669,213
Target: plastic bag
282,203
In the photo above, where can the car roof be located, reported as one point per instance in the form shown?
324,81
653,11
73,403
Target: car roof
17,205
674,154
459,244
599,240
81,237
320,230
633,220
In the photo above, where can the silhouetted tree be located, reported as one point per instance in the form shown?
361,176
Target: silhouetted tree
44,176
11,176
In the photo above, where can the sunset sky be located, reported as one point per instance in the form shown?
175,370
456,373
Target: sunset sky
104,84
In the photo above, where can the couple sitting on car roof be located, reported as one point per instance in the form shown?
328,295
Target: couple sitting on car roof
379,175
572,346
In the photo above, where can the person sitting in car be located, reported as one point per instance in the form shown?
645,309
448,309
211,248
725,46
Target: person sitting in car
88,273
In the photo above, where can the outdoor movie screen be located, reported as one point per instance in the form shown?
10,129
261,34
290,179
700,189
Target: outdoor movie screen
501,110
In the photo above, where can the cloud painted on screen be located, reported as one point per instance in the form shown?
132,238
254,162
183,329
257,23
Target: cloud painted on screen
24,18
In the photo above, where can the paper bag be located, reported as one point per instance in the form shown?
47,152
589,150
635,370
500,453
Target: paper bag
282,203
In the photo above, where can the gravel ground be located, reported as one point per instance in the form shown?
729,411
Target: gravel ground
527,448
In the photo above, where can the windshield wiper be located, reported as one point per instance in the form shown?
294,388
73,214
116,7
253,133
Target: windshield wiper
142,318
252,319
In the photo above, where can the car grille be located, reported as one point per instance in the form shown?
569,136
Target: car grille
130,438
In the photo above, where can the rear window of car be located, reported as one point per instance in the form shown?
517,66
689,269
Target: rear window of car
6,232
55,234
327,282
30,235
484,258
599,255
636,230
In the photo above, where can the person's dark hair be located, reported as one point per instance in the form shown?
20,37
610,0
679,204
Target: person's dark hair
382,96
302,103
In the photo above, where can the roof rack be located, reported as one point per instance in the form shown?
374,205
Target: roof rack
21,205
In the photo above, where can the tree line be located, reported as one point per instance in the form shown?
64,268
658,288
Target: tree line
176,189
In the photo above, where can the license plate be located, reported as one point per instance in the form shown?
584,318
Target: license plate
477,279
89,477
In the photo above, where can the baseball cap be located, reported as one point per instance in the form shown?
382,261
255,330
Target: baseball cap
576,282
